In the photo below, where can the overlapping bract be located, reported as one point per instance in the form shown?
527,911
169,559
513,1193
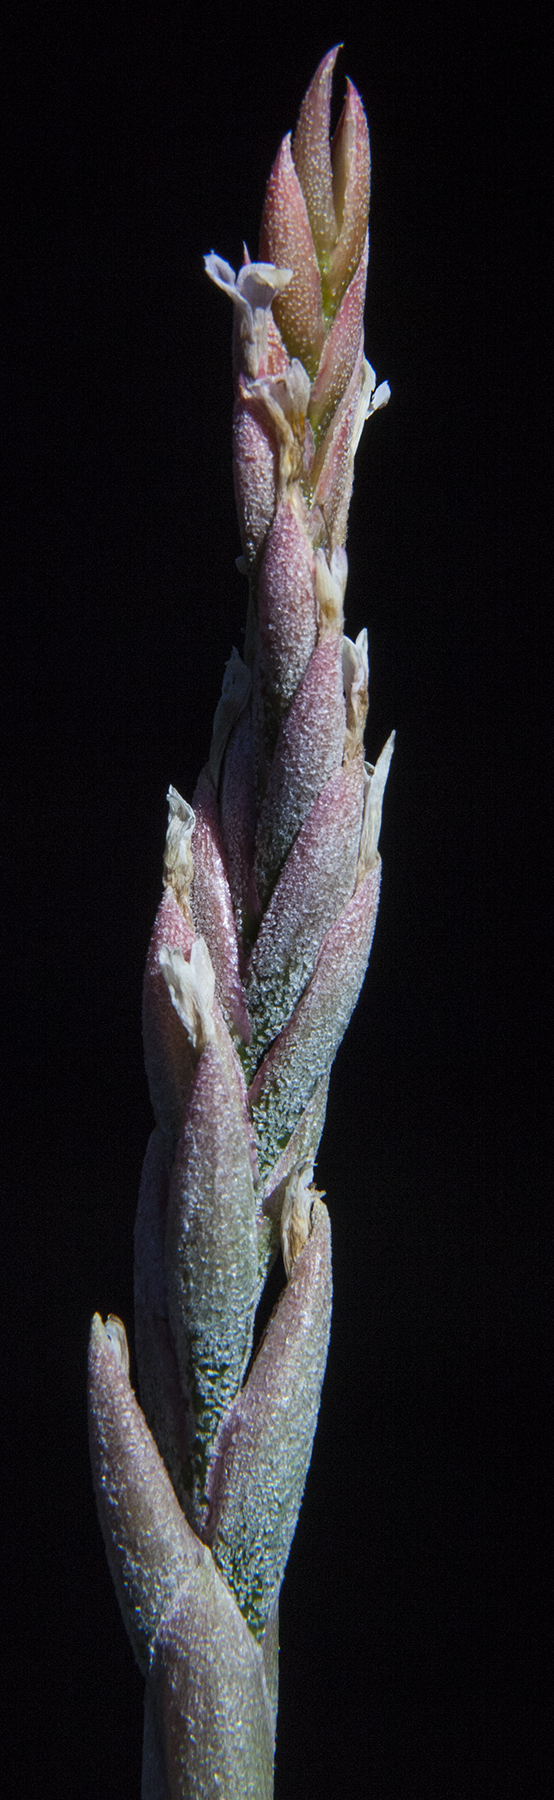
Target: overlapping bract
258,953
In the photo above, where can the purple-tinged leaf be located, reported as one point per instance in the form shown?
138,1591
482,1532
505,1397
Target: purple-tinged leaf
255,473
302,1144
265,1442
307,1046
341,351
286,240
351,180
333,469
150,1548
311,152
213,1708
163,1402
287,620
211,1251
309,749
213,908
318,878
169,1058
237,807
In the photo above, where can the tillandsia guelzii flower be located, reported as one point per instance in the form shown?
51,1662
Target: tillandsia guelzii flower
258,952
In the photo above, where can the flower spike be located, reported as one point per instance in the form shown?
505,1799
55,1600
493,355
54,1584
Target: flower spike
258,952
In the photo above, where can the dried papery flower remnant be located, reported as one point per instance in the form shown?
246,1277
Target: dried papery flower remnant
271,885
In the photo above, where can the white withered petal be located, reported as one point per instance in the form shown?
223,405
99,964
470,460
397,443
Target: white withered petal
252,292
192,987
355,671
178,868
300,1194
286,400
371,399
376,781
330,587
237,682
355,664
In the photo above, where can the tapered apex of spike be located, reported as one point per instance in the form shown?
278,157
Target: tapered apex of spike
316,212
334,178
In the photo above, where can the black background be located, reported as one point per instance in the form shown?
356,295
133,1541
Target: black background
414,1610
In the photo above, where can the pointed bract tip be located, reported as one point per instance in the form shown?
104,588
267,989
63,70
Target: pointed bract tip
110,1336
311,152
97,1333
327,61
